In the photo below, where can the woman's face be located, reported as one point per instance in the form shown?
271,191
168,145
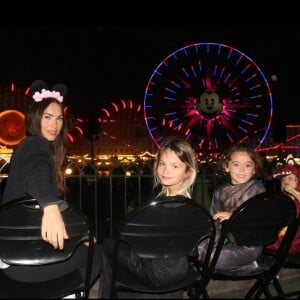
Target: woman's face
240,167
171,171
52,121
290,181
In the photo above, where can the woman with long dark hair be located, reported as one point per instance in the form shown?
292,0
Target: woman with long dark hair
36,170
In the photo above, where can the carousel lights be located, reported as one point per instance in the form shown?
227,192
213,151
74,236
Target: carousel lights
68,171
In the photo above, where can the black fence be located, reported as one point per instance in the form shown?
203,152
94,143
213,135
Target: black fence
107,190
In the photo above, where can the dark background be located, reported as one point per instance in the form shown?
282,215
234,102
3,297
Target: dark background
104,63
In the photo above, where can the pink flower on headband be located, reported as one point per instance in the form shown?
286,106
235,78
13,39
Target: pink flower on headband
39,96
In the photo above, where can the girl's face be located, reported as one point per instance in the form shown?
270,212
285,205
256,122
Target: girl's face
52,121
171,171
290,181
240,167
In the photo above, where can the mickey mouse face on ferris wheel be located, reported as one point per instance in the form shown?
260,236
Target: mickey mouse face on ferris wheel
212,94
209,104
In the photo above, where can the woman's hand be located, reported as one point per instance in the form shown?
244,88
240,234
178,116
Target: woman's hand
222,215
53,227
293,192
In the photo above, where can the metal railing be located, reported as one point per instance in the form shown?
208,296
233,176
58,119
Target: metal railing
106,192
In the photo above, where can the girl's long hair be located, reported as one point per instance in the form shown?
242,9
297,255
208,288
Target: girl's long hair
33,121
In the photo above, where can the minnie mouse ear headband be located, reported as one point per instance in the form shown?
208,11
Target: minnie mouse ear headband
40,91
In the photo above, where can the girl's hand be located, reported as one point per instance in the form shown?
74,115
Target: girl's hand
222,215
53,228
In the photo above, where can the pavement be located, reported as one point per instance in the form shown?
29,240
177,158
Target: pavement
289,279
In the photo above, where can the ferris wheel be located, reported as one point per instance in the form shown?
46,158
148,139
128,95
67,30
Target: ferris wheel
211,94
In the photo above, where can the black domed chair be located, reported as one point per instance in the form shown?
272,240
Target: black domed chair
170,227
21,244
257,222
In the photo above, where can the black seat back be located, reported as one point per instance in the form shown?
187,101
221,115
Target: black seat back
20,233
258,221
165,228
168,227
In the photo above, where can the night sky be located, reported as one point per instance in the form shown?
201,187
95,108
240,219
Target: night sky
100,64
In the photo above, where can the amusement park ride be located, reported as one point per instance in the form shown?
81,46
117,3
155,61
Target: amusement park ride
211,94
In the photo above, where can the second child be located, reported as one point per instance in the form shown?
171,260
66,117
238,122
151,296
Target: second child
242,166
